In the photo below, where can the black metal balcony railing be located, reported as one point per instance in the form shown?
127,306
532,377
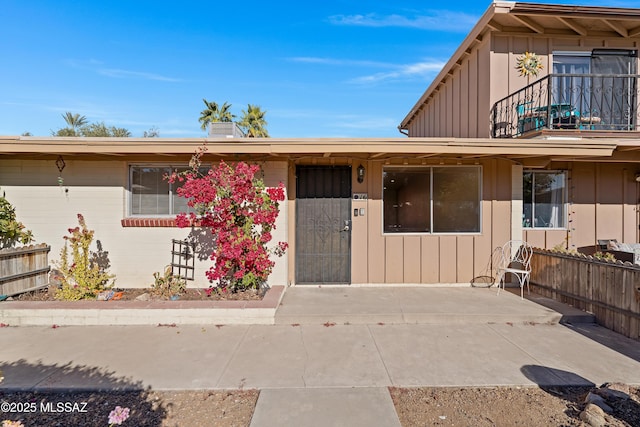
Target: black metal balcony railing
569,101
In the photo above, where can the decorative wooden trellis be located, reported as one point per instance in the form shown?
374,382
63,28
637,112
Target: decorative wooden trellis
183,258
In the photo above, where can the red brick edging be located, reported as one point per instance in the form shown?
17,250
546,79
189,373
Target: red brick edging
148,222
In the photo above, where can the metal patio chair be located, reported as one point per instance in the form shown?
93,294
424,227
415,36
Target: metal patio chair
515,260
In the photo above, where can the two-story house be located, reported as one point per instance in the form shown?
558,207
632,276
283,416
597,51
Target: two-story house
584,89
490,156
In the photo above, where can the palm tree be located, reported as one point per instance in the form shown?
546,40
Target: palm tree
214,113
253,122
119,132
74,124
75,121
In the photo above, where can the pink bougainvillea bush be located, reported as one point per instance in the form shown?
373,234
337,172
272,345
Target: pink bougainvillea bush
233,202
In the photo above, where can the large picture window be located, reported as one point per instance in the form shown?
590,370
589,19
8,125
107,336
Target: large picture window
425,199
544,199
151,194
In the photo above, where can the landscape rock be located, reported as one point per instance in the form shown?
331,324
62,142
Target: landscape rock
144,297
593,415
598,400
614,391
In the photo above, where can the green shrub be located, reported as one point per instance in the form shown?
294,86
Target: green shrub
561,247
81,277
604,256
168,285
11,230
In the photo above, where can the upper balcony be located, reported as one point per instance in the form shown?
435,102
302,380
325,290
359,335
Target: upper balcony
569,103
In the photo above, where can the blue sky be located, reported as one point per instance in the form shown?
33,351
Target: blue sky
346,68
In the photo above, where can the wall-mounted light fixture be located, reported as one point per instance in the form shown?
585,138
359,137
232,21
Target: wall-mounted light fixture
360,171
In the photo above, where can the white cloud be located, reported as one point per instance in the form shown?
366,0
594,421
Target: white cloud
117,73
334,61
436,20
407,71
97,67
397,71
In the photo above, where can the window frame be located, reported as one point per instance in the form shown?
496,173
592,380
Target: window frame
431,167
565,199
172,192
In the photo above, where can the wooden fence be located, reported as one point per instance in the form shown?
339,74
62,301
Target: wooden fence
609,290
22,269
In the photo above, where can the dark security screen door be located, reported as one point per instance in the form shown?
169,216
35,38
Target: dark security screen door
323,224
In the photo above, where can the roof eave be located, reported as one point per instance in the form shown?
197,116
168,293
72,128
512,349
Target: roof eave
285,147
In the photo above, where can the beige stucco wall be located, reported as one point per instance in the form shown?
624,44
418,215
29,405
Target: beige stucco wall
98,190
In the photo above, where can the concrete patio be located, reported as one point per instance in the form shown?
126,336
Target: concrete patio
304,305
419,305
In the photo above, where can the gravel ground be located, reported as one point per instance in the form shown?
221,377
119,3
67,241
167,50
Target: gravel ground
505,406
153,408
490,406
129,294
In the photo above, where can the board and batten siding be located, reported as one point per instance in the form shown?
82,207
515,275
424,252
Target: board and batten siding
429,258
461,104
602,205
505,78
456,107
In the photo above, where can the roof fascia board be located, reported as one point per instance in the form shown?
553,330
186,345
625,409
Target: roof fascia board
289,146
593,12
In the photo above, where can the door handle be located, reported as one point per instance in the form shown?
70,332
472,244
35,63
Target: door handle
346,228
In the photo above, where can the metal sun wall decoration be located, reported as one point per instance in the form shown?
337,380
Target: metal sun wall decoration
529,64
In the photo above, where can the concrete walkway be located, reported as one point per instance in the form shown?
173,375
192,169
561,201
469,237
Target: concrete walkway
318,367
